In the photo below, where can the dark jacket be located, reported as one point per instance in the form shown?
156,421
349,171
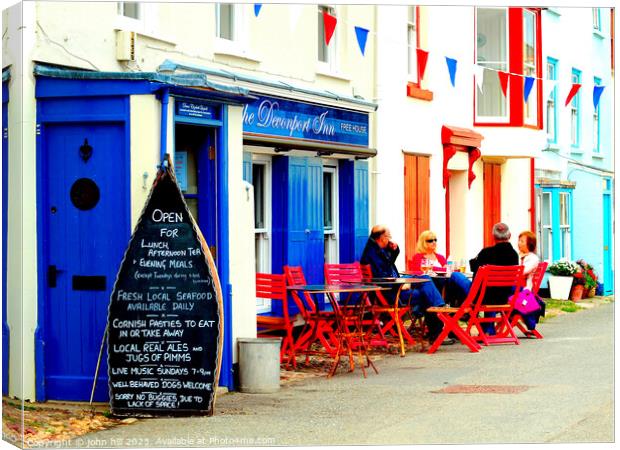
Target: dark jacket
500,254
381,260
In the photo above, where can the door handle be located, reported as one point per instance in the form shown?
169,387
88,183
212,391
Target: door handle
52,275
307,231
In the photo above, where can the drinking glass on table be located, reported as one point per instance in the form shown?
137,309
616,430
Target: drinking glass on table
426,265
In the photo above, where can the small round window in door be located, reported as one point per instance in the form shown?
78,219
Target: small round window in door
84,194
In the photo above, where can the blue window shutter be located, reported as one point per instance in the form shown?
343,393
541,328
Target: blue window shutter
247,167
361,207
315,247
346,206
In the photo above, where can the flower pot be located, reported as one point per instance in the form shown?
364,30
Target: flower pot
559,287
576,292
589,293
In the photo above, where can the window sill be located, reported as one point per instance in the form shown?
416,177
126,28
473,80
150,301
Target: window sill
421,94
224,47
553,147
146,34
598,156
554,11
326,72
599,34
576,151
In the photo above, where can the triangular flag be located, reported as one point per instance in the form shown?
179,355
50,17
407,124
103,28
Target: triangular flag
452,69
479,75
295,10
257,7
503,81
362,35
422,59
527,87
596,95
572,93
329,22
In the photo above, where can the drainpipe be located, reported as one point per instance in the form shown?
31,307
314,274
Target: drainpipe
165,97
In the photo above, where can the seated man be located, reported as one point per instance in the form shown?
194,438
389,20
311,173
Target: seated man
500,254
381,253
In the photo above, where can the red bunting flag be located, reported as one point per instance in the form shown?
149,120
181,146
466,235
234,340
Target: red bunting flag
503,81
329,22
422,59
572,93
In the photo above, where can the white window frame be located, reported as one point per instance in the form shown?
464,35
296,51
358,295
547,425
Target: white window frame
412,44
596,125
238,45
331,50
530,109
545,229
489,76
332,237
145,22
264,234
565,225
596,19
575,124
552,116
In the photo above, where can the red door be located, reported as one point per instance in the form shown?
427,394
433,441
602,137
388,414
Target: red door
492,200
417,201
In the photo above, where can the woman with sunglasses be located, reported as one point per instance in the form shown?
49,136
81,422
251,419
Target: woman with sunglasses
427,246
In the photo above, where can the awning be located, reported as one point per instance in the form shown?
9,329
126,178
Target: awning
193,84
460,139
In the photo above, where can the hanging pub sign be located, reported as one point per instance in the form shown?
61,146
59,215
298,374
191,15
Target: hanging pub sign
165,323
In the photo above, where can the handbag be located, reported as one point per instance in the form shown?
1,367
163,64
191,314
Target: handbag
525,302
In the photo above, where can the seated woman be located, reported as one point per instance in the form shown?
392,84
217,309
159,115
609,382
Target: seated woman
380,253
527,258
426,247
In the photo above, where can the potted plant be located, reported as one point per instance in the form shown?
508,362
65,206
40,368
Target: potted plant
589,278
561,278
576,292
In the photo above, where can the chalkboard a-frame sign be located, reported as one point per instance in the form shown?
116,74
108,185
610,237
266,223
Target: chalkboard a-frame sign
165,322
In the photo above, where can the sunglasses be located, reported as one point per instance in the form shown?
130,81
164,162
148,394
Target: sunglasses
430,241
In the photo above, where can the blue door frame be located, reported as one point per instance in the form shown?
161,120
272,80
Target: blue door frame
217,231
51,94
6,333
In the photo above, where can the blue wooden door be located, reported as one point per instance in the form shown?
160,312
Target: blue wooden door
608,274
86,229
315,243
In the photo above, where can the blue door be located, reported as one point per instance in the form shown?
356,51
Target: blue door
608,274
85,217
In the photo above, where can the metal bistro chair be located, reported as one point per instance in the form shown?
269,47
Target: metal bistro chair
319,324
273,287
517,320
496,276
394,326
352,273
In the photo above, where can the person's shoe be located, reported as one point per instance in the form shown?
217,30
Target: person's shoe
448,341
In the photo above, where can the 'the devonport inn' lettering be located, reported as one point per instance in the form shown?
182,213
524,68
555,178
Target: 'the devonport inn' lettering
285,118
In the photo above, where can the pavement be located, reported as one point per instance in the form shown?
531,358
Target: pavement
556,390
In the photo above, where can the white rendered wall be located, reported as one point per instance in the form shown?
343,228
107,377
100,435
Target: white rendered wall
18,22
241,235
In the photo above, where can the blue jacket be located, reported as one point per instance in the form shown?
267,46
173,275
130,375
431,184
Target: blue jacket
381,260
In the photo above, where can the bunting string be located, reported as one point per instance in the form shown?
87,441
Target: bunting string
477,70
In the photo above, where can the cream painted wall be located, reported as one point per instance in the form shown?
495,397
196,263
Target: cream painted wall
145,119
21,253
241,232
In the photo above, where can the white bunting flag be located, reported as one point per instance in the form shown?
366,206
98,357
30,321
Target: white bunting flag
478,75
548,86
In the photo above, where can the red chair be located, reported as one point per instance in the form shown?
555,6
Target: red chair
450,316
319,325
517,321
352,273
273,287
496,276
395,325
